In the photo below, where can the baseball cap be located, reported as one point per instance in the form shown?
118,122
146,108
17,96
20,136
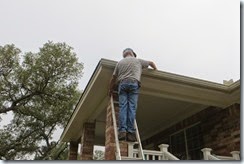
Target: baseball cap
129,49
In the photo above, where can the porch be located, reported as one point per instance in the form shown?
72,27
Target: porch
165,99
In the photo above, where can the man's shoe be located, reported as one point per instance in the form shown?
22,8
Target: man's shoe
131,137
122,136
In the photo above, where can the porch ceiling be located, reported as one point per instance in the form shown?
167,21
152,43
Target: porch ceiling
164,99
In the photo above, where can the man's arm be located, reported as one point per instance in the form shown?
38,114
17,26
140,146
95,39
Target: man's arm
152,65
112,85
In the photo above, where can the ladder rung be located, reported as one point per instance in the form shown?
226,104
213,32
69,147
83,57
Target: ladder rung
116,102
136,142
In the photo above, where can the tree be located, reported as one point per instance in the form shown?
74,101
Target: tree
98,155
9,65
41,91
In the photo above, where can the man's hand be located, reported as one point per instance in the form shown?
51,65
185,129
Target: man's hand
153,65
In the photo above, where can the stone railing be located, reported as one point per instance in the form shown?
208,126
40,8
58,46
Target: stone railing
166,154
163,154
208,156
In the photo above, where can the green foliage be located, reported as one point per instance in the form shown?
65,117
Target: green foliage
41,91
9,65
98,155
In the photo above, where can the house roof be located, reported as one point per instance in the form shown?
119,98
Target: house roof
164,99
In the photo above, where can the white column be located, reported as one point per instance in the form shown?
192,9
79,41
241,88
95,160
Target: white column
206,153
130,149
163,148
235,155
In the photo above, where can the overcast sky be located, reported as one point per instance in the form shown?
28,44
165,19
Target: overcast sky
197,38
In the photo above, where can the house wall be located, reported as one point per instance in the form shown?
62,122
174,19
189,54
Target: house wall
220,130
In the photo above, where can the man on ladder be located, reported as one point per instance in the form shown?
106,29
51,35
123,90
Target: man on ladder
127,74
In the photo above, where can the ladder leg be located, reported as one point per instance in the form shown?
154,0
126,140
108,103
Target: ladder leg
141,154
118,155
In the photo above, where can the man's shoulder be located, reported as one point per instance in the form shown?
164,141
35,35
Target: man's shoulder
128,59
131,60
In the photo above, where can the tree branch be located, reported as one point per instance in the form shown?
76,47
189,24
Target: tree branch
14,104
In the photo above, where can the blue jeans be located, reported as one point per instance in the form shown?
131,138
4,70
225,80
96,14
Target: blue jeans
128,97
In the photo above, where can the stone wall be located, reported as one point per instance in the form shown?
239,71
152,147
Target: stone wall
87,141
73,150
220,130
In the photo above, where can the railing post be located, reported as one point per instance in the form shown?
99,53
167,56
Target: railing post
206,153
130,149
163,148
235,155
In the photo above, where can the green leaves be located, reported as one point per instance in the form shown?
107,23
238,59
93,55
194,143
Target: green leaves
9,58
42,92
98,155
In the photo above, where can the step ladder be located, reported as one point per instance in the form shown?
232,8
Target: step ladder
138,142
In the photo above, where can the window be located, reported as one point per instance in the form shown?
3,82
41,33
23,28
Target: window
187,143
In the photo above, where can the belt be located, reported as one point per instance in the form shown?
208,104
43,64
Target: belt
129,80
